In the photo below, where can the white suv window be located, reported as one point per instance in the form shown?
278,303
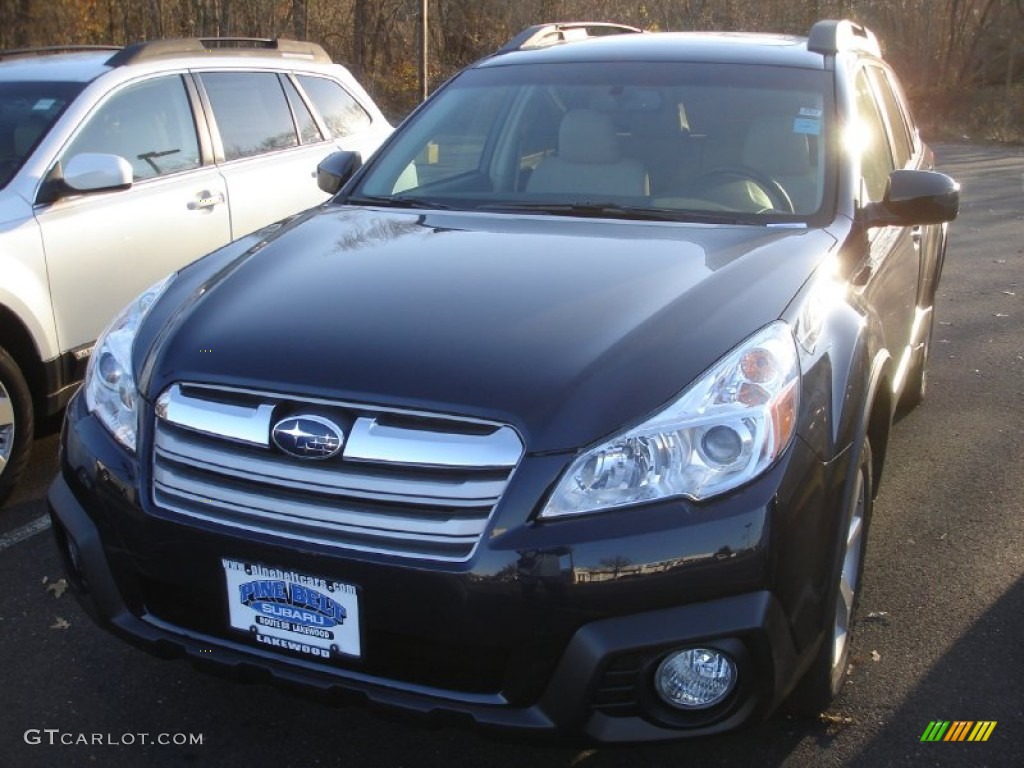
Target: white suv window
303,117
27,110
149,124
342,113
251,111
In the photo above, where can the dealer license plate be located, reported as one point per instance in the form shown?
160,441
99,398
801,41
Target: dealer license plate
282,609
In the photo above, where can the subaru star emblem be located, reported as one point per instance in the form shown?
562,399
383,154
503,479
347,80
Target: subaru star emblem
308,437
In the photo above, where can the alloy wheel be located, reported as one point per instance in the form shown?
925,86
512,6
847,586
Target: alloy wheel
6,427
849,580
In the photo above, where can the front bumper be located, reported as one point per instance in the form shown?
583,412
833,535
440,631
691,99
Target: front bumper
534,634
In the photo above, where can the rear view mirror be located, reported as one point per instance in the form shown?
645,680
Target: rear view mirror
915,198
335,169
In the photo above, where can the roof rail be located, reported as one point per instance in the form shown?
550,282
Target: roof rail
12,53
541,35
835,36
229,46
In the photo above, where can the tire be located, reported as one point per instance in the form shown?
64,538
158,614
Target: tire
16,424
917,377
824,679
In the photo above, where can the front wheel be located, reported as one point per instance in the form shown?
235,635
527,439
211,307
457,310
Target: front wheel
16,424
825,677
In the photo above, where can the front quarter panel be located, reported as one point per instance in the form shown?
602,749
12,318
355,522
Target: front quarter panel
24,288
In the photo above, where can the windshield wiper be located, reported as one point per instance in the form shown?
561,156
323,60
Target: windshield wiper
397,201
617,211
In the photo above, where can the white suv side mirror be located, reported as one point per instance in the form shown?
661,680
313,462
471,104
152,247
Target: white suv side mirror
91,172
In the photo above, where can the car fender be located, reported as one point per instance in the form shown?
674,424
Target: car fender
25,290
843,361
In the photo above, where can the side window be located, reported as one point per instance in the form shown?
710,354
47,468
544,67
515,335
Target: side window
149,124
342,113
251,112
876,157
308,131
901,135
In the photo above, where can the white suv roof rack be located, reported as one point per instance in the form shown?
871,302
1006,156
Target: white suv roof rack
229,46
13,53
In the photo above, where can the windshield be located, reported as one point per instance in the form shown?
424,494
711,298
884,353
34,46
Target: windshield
660,140
27,112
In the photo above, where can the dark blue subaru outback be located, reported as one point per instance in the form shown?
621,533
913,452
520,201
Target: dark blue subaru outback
565,414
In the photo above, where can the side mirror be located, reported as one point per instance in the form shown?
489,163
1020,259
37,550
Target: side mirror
93,172
337,168
915,198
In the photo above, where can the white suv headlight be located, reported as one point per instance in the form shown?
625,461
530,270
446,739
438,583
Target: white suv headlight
110,391
724,431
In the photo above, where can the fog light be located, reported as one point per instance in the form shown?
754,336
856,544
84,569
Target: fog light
696,678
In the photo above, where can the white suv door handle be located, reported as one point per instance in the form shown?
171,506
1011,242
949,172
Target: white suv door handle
205,200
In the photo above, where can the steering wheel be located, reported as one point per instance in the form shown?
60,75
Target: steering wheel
776,192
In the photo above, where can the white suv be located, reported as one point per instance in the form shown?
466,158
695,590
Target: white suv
118,166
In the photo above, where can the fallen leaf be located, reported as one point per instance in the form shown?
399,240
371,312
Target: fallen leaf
835,723
60,623
876,656
58,588
878,616
825,717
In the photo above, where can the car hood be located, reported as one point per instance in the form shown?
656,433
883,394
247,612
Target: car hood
567,329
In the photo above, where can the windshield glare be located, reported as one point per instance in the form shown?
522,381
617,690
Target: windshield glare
740,141
27,112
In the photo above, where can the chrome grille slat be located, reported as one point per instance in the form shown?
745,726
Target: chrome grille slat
369,441
319,479
420,548
407,484
315,514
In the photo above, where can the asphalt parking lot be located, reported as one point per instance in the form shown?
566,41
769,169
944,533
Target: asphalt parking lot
942,610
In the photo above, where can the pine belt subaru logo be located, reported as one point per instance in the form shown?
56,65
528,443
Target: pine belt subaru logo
308,437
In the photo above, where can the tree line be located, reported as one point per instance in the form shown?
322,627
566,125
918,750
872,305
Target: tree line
942,48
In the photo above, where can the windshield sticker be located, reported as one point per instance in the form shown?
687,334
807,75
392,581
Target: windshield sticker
43,105
807,126
810,112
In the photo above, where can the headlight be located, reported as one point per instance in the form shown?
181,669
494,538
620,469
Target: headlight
725,430
110,391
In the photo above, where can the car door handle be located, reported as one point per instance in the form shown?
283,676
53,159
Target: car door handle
205,200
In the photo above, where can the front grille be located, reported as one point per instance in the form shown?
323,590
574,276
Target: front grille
408,484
